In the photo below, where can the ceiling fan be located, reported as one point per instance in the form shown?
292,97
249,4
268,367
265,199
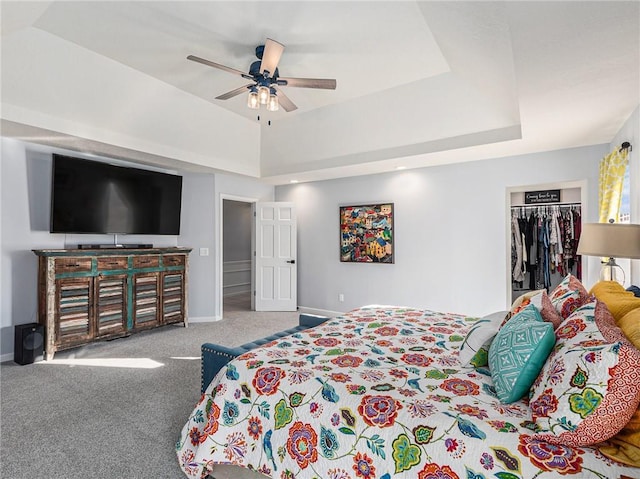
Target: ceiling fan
266,80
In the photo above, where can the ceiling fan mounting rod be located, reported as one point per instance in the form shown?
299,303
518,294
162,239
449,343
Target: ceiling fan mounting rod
264,81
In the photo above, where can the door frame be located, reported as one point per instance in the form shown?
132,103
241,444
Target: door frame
584,208
220,250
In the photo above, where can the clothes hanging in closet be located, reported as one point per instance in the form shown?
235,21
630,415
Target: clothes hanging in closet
544,241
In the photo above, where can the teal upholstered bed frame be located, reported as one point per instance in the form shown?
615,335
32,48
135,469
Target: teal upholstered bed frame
214,356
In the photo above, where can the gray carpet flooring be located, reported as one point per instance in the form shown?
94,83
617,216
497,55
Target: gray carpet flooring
113,409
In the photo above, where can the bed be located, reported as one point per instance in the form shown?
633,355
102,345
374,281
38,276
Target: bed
376,393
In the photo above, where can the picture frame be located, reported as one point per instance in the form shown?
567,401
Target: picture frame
366,233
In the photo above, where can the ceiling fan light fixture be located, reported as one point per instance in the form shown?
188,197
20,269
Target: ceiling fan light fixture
263,94
252,100
273,104
264,76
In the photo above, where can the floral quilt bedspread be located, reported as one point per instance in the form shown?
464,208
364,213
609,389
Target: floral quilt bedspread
376,393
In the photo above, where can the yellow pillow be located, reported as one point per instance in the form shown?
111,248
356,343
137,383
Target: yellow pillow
625,446
630,325
618,300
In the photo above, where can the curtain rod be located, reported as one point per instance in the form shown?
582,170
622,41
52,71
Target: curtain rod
626,145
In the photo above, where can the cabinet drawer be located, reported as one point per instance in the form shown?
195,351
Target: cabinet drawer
70,265
173,260
113,262
146,261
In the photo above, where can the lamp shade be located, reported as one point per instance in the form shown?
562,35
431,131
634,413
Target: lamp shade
612,240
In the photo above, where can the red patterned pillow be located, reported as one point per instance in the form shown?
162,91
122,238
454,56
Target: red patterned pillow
590,385
547,310
568,296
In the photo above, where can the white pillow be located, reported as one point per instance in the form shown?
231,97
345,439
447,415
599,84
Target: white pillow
474,350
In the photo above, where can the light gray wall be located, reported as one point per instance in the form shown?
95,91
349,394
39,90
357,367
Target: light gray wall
236,230
1,256
450,231
26,191
26,186
196,231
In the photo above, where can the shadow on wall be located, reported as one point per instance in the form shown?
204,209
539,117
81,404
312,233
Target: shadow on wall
24,283
39,188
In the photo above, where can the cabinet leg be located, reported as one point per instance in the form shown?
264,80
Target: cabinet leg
48,356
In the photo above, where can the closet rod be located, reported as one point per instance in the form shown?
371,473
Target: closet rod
546,205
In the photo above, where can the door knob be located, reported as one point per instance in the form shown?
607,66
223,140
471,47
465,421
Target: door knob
292,261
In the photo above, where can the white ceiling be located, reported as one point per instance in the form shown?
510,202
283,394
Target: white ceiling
322,40
418,83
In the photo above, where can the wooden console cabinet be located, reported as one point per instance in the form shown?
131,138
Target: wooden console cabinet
89,295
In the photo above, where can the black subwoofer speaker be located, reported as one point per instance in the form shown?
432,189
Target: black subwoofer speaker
28,343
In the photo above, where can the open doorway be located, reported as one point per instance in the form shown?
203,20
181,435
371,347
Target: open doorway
236,255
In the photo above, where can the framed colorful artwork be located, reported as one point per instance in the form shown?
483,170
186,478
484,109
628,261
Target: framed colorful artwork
366,233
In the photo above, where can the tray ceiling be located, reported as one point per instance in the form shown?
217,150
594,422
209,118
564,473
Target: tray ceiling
419,83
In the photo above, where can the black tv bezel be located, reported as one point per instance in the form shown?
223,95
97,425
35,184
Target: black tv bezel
106,164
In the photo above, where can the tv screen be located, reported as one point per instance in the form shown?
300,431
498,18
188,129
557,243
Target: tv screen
93,197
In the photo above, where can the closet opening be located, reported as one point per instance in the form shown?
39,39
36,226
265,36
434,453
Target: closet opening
544,227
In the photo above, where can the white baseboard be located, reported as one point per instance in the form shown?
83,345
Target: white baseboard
6,357
321,312
236,293
204,319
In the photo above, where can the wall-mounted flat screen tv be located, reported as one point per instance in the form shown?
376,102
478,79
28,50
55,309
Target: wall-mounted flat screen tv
94,197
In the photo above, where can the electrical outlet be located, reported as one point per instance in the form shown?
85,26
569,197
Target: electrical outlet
204,251
341,297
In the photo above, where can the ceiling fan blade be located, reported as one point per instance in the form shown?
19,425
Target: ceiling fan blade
271,56
236,92
285,102
323,83
220,67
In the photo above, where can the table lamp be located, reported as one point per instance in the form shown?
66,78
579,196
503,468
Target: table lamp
610,240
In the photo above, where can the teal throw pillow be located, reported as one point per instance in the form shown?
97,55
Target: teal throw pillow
518,353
